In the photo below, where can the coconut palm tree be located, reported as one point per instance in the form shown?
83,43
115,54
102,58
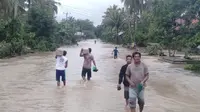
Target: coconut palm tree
11,8
44,3
115,18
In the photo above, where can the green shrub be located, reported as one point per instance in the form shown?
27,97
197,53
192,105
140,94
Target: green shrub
17,46
192,67
41,46
5,49
153,49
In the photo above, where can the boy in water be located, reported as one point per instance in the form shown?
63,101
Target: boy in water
122,78
61,65
115,51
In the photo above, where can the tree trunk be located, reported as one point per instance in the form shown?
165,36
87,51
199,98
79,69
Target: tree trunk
142,6
169,51
130,32
29,4
15,9
117,37
135,19
174,52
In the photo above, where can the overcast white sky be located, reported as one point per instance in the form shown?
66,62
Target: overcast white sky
86,9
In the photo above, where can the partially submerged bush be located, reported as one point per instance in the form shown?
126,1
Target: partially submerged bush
193,67
154,49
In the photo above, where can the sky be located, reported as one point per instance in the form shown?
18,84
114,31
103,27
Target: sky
85,9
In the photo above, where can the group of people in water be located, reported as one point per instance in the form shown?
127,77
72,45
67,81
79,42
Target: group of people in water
134,75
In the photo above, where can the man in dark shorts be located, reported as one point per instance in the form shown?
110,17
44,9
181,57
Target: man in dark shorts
61,65
136,74
88,59
115,51
122,78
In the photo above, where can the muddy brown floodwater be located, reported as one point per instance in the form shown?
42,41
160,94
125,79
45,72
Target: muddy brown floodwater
28,84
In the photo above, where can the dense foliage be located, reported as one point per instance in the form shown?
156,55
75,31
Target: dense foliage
172,23
29,25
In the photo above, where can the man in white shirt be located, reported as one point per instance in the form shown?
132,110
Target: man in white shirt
61,65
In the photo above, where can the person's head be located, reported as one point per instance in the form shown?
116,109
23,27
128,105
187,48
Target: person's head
64,53
90,50
136,57
128,59
115,47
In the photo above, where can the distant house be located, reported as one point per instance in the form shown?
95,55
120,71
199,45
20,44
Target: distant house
120,33
195,21
79,34
180,22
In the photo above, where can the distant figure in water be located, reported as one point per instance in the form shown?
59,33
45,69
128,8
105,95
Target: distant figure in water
115,51
135,48
61,65
88,59
122,78
76,43
95,41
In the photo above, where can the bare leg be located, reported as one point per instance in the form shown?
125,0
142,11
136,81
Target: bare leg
64,83
84,79
133,110
126,102
141,108
141,105
58,83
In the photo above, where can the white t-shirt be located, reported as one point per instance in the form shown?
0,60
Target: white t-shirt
60,62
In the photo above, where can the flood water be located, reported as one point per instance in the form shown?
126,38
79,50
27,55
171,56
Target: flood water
28,84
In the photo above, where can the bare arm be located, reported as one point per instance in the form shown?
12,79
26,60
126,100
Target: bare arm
146,74
128,79
93,60
128,74
146,78
81,53
66,64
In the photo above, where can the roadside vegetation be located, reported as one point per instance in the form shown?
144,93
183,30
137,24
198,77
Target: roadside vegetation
172,24
30,25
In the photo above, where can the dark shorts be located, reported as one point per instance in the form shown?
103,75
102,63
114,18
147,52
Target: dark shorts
126,92
60,73
88,72
115,56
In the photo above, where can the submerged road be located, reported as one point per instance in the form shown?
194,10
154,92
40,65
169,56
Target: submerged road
28,84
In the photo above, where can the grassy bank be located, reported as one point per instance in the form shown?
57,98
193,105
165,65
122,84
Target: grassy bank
193,67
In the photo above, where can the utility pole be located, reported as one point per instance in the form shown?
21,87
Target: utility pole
66,15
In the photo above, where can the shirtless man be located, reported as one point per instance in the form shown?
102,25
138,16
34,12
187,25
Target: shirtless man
88,59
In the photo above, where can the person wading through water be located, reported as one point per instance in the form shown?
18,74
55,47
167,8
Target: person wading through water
122,78
116,52
88,59
136,74
61,65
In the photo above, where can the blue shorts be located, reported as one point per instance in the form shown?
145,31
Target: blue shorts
60,73
115,56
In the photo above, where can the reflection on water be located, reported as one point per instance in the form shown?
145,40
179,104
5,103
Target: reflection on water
28,84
